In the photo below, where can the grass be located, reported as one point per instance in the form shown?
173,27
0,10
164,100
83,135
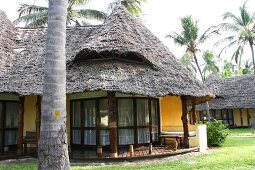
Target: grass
236,154
241,132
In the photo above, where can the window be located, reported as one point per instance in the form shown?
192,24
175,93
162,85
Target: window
138,121
9,111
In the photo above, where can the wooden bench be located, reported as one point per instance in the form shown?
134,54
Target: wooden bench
176,135
30,138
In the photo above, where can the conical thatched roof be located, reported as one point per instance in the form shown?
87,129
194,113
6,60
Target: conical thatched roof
121,55
7,41
231,93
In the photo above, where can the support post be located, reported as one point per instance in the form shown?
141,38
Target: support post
112,109
20,125
194,118
38,118
241,116
184,118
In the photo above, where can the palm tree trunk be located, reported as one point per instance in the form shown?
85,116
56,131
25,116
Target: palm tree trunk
253,61
198,67
209,117
53,148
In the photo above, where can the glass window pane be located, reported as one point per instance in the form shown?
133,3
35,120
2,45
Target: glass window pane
142,112
125,112
103,110
218,114
154,134
11,137
230,114
90,113
89,137
104,137
76,112
126,136
76,137
224,114
143,135
231,123
154,112
12,112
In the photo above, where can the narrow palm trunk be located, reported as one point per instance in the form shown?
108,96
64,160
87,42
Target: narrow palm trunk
253,61
53,148
209,117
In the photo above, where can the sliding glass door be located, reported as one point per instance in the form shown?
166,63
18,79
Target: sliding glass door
9,111
138,121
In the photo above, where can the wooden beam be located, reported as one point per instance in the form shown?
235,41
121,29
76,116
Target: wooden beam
112,110
194,118
38,117
20,125
184,118
241,116
248,116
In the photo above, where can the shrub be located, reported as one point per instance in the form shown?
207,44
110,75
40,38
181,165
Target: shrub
216,132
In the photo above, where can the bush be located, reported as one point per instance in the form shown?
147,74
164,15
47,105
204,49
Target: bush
216,132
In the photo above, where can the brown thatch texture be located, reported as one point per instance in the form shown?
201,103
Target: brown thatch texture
7,41
155,71
235,92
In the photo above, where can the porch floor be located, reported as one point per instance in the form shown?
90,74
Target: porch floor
141,152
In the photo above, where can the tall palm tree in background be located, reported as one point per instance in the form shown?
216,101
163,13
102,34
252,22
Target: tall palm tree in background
133,6
228,69
53,147
189,37
188,62
242,30
35,16
210,64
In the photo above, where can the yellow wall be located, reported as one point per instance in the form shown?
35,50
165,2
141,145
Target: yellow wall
237,117
171,111
29,114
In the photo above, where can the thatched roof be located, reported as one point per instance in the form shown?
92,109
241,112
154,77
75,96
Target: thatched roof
121,55
7,41
235,92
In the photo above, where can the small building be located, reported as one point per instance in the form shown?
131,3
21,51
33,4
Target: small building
124,87
235,100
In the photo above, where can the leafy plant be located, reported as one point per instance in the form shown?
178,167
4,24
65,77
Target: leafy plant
216,132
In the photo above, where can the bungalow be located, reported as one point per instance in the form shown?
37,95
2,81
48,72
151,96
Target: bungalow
123,85
235,101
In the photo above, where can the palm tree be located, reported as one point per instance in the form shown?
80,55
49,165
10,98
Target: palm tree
228,69
190,38
35,16
53,148
247,67
188,63
133,6
242,28
210,64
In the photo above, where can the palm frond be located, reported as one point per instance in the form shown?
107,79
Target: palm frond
212,30
227,47
30,19
231,16
229,27
224,40
25,9
178,39
238,54
190,28
91,14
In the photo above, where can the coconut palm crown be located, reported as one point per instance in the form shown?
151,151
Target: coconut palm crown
190,38
36,16
242,33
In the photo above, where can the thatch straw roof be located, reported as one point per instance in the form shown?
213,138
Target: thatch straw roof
7,41
235,92
121,55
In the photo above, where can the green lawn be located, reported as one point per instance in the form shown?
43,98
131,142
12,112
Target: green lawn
236,153
241,131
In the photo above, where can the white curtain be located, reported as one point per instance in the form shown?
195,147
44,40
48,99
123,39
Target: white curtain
125,112
126,136
89,137
142,112
90,113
